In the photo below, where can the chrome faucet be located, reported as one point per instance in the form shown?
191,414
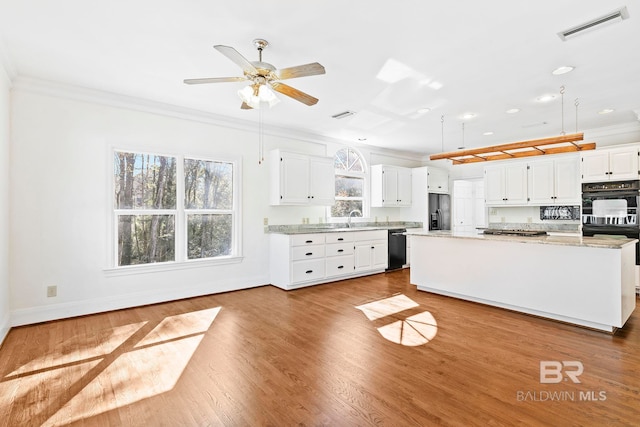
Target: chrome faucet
350,214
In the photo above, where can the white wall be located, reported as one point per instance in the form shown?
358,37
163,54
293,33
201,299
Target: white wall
60,203
4,202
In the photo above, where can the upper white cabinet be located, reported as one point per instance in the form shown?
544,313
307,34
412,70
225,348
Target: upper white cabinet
506,184
610,164
437,180
554,181
390,186
299,179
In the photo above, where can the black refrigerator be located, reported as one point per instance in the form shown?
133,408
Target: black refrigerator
439,211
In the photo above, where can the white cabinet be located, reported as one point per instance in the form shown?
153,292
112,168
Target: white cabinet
610,164
437,180
506,184
390,186
554,181
298,179
309,259
370,250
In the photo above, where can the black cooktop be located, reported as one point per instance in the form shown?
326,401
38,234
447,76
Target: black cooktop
498,232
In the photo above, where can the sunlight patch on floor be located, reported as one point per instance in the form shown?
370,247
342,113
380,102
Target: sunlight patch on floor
414,330
70,351
387,306
132,377
111,368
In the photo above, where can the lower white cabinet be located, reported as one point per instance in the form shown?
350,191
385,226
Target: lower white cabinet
308,259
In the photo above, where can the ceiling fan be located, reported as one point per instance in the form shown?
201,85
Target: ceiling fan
263,76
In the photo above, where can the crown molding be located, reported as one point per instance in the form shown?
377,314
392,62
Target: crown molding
77,93
629,130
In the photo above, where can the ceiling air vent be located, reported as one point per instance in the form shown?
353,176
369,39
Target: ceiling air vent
343,114
609,18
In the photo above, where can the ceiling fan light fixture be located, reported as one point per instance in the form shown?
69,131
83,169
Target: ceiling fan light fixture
256,96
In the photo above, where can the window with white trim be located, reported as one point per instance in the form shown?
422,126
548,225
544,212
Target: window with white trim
350,183
173,208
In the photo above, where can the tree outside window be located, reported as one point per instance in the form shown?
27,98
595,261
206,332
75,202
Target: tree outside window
350,174
172,209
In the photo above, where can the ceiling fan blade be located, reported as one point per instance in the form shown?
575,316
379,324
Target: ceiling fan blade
214,80
300,71
293,93
245,106
235,56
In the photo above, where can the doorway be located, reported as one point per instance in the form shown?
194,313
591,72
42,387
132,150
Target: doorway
469,210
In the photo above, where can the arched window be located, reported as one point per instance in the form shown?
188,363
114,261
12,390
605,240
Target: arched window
350,174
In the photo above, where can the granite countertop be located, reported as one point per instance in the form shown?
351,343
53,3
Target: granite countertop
592,242
338,228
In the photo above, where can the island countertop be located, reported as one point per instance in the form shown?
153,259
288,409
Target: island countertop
580,241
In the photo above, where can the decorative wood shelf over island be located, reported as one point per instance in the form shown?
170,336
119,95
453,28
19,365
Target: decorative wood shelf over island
586,281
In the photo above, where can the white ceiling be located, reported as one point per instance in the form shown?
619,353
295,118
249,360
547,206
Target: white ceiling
489,56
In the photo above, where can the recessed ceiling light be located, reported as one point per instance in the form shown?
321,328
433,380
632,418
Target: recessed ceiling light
606,111
362,139
435,85
489,133
512,110
545,98
562,70
468,116
423,110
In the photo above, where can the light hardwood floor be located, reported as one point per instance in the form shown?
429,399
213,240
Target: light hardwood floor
309,357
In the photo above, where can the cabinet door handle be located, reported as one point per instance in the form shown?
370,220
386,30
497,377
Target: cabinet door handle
340,239
309,253
373,247
309,271
340,250
309,241
340,266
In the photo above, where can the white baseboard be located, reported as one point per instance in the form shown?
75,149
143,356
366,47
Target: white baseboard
31,315
5,325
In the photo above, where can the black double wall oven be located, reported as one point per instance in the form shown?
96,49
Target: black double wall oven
611,209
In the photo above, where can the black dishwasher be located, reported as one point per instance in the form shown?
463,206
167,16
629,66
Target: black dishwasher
397,242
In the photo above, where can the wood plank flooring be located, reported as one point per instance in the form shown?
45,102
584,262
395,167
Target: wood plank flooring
266,357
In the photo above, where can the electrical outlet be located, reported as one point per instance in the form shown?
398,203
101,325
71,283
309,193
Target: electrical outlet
501,219
265,221
493,211
529,219
52,291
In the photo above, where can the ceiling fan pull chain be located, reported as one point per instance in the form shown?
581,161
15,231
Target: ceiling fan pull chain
562,107
260,138
442,131
576,103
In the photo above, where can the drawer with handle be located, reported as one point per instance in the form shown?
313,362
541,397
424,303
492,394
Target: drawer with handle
307,239
339,237
303,271
339,249
307,252
339,265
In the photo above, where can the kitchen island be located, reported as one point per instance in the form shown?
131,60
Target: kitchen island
586,281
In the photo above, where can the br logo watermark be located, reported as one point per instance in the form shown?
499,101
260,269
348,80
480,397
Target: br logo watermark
553,371
556,372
